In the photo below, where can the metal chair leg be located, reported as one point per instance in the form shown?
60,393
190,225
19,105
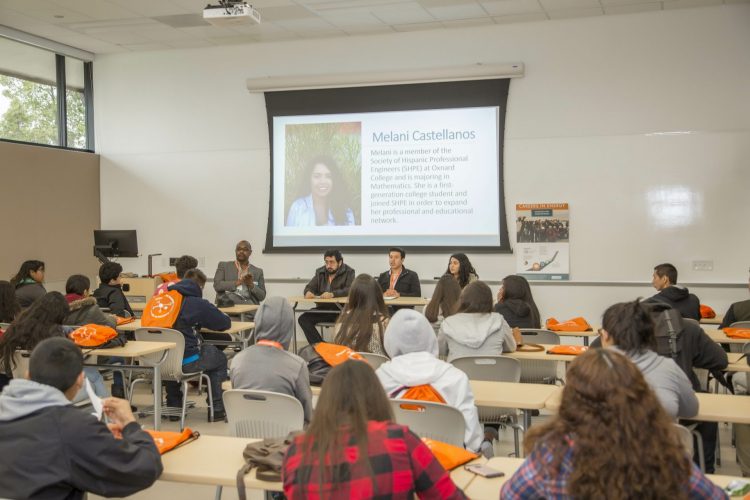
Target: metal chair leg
210,398
218,492
184,404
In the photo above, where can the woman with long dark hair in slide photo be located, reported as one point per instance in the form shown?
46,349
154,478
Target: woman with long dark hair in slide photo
325,204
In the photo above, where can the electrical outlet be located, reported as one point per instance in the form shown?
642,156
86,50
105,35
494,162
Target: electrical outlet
703,265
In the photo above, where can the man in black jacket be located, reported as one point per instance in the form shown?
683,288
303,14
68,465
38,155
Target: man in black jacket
332,280
399,281
109,294
665,281
50,449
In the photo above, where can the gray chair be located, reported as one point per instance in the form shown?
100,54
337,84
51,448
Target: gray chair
262,414
375,360
171,369
494,369
688,436
539,372
431,420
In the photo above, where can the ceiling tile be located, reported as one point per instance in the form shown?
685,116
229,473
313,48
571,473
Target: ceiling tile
417,26
182,20
308,26
285,13
571,13
406,13
349,18
97,9
465,23
454,12
551,5
682,4
605,3
145,46
152,8
631,8
511,7
521,18
189,43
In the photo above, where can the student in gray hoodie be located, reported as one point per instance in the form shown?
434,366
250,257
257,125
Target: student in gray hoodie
627,327
267,365
50,449
475,329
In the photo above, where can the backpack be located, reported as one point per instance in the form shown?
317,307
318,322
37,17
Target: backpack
424,392
96,337
161,311
316,366
668,328
321,357
268,456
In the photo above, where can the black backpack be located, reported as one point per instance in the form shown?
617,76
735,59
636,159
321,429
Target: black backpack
668,328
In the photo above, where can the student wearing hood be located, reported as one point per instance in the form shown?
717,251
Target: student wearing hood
410,342
267,365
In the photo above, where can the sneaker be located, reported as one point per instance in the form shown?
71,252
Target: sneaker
219,416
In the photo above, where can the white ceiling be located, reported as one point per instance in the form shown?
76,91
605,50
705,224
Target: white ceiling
107,26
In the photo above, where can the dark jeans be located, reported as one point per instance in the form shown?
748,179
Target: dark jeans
708,431
114,360
213,363
309,320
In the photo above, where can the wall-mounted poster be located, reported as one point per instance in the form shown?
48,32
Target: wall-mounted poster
543,241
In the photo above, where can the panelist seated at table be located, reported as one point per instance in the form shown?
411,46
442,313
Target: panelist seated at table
475,329
354,449
267,365
331,280
412,346
196,313
239,280
398,281
611,438
51,449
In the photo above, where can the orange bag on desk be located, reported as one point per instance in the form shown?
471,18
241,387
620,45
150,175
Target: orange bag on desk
707,312
92,335
124,321
448,455
577,324
161,311
737,333
335,354
166,440
572,350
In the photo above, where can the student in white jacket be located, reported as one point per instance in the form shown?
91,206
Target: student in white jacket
412,346
475,329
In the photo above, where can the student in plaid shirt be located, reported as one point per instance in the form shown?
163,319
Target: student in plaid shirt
367,455
611,439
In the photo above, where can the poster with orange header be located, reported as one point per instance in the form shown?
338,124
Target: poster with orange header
543,241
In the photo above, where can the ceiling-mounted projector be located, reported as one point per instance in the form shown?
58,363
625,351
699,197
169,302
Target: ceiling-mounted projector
230,13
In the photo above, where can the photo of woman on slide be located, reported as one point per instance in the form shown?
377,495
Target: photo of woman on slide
325,205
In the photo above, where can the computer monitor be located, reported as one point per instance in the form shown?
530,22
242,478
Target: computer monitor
115,243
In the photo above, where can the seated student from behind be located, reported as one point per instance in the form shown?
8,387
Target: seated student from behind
83,307
361,326
195,313
267,366
181,266
412,346
353,448
739,311
679,297
109,294
610,439
516,304
28,282
50,449
444,301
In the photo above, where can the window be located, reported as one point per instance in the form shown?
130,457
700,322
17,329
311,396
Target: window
31,83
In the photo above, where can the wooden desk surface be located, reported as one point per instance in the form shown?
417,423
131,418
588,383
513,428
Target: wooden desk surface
735,364
401,301
482,487
237,326
235,309
723,408
712,321
512,395
212,460
134,348
540,355
721,337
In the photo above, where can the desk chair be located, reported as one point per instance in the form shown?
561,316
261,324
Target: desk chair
431,420
688,437
261,414
539,372
375,360
494,369
171,369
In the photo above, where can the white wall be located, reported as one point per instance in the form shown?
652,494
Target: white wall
185,158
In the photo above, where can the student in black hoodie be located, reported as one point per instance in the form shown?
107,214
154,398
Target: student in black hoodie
515,303
665,281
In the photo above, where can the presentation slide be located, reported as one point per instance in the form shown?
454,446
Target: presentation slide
409,178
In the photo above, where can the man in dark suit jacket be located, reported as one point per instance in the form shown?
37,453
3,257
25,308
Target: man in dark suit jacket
239,280
331,280
399,281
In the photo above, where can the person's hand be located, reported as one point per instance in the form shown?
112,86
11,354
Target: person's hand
118,411
391,293
326,295
517,336
238,283
115,429
309,295
248,280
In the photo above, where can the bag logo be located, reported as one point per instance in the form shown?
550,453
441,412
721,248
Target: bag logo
163,304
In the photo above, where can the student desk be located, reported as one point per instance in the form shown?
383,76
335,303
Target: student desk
712,321
587,335
540,355
237,309
735,364
237,328
719,336
135,349
723,408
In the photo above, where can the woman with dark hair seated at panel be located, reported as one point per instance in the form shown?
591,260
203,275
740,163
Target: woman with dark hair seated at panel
42,320
610,439
325,204
475,329
28,282
366,454
461,269
444,301
515,303
361,326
